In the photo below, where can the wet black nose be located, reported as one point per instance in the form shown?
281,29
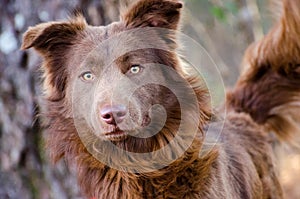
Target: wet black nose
113,114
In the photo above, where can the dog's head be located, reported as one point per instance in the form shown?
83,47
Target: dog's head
122,82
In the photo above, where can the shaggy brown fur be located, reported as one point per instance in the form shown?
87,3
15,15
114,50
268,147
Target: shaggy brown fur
240,166
268,89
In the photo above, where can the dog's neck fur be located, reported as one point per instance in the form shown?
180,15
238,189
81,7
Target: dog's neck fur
105,182
98,180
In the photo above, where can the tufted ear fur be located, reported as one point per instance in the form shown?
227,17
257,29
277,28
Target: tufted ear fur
153,13
53,41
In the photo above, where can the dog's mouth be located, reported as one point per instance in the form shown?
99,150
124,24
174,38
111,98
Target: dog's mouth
116,135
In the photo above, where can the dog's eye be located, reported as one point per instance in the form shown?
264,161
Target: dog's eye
135,69
87,76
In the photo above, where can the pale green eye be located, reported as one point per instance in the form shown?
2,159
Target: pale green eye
87,76
135,69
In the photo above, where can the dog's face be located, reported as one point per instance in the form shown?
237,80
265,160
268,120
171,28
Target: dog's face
120,82
127,96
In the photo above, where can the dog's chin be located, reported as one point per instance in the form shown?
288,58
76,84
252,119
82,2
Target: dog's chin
115,136
119,133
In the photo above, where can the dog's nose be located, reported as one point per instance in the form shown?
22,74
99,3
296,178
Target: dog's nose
113,114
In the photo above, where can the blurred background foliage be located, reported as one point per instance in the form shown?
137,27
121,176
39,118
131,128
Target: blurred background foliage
223,27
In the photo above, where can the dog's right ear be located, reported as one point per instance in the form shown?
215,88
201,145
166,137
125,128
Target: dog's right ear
53,40
46,37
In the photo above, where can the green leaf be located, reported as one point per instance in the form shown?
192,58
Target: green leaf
219,13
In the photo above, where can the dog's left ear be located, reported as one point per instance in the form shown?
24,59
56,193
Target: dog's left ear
153,13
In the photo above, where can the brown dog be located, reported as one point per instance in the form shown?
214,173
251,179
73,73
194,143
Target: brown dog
100,97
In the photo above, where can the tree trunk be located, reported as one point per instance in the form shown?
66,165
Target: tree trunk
25,172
